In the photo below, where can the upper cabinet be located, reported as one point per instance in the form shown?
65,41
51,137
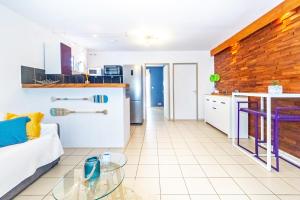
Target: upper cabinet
58,58
66,59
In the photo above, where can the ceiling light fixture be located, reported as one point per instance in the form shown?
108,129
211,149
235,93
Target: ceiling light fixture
148,38
95,35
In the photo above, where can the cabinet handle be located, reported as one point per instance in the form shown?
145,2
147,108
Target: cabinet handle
207,99
223,102
214,108
214,101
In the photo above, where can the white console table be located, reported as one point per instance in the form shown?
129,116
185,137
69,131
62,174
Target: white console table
268,98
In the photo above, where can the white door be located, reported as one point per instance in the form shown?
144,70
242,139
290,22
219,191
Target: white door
185,91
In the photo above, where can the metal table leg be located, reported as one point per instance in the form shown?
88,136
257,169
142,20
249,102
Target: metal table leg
269,137
262,120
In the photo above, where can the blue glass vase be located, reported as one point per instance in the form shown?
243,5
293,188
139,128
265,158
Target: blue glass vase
89,165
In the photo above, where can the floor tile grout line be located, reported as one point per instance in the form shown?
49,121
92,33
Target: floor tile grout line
187,189
159,180
283,179
233,178
257,178
208,177
139,155
59,179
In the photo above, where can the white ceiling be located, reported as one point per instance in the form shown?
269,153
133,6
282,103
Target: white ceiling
124,24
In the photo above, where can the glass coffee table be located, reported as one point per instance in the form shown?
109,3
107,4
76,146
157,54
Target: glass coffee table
109,184
115,162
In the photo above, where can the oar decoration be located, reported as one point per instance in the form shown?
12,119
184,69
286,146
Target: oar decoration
64,112
95,98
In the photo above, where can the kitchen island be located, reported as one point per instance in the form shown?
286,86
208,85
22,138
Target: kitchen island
93,130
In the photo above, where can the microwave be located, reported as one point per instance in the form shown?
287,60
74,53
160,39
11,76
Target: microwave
95,71
113,70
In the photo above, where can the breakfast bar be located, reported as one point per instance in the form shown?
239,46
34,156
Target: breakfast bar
268,115
82,120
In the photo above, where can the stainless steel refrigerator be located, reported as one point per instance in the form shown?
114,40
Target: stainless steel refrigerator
133,75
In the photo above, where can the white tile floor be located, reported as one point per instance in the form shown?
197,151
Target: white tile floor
184,160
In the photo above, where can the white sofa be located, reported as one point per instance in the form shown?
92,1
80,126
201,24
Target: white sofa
22,164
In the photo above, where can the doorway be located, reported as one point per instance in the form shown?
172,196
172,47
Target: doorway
157,98
156,86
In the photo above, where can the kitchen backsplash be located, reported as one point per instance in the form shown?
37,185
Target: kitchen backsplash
30,75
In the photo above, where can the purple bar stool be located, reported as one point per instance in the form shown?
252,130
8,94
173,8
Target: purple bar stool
287,118
277,117
256,113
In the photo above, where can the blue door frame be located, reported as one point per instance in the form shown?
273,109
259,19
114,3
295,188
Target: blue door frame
156,86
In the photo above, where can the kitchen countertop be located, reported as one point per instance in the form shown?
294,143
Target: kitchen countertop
77,85
226,95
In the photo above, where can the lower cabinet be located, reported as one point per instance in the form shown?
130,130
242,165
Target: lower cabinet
218,113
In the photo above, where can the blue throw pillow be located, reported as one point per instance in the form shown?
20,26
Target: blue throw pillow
13,131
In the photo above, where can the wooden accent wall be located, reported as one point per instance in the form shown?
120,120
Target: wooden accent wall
271,53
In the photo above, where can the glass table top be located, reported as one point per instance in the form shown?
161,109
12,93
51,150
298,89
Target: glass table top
73,187
111,161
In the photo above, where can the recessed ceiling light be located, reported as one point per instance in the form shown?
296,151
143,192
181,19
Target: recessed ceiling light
147,37
95,35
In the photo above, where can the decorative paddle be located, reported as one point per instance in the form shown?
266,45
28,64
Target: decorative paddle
95,98
63,112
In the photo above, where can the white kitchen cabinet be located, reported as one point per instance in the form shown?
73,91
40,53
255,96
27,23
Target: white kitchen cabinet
218,111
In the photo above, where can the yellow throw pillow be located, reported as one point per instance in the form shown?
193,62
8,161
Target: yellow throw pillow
33,128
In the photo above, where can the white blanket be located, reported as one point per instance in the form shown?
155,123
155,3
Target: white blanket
18,162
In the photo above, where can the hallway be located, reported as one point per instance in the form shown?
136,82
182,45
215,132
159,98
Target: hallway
155,114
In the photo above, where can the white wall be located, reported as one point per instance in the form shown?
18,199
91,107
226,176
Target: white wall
21,43
203,58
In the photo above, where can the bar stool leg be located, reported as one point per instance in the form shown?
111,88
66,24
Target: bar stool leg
256,135
276,142
238,125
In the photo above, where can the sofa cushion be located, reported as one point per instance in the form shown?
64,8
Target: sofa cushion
34,126
13,131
